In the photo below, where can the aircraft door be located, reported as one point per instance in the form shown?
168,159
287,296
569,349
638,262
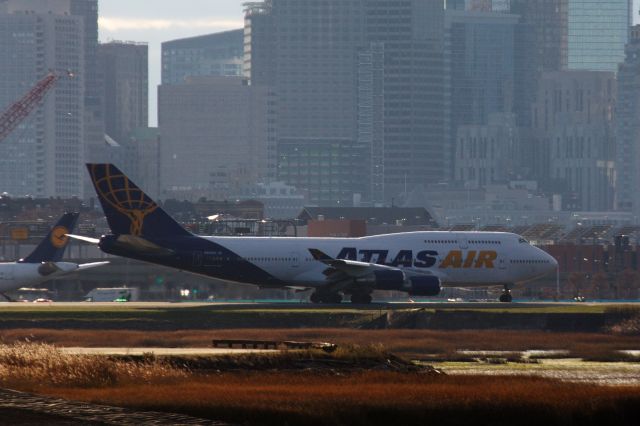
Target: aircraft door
503,261
463,242
295,259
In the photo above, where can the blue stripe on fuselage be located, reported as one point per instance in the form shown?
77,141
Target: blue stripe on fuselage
199,256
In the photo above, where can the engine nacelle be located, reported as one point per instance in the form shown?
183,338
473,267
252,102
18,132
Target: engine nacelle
424,286
47,268
389,280
396,280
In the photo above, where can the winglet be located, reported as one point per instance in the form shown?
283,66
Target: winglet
320,256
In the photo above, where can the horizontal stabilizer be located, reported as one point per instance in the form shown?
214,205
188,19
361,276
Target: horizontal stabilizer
89,240
86,266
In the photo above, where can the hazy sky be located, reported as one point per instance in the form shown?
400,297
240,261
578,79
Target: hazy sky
161,20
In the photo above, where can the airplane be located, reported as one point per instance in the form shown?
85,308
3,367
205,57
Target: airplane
44,263
418,263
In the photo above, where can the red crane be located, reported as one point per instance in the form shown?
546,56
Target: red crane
19,110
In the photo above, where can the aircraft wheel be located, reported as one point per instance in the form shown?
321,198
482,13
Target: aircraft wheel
315,298
506,298
334,298
326,298
361,298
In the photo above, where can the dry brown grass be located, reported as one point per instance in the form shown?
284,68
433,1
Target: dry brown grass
408,343
315,397
32,365
374,398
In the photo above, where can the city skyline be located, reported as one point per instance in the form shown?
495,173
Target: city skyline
420,100
135,21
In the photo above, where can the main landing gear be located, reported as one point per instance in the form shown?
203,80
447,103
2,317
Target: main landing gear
361,298
326,297
506,297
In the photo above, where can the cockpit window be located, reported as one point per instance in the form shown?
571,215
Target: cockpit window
523,241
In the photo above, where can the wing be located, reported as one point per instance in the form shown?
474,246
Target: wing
341,269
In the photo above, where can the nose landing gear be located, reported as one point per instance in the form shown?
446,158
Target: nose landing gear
506,297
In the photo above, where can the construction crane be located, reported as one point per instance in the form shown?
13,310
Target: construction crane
19,110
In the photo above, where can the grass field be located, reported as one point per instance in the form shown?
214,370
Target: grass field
169,317
503,394
178,316
314,397
413,344
372,399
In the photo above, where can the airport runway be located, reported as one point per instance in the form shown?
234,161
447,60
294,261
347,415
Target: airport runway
250,305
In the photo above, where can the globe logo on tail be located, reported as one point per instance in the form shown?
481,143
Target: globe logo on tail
121,194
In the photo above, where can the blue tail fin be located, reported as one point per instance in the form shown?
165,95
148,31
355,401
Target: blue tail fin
51,249
128,209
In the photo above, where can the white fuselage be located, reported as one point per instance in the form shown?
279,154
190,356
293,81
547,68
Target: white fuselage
456,258
14,275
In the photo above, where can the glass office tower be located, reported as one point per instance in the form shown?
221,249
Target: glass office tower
598,33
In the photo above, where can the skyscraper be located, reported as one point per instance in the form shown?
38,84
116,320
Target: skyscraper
321,58
215,137
481,54
45,156
598,31
487,154
541,45
544,32
414,94
628,128
574,150
306,53
93,111
220,54
126,87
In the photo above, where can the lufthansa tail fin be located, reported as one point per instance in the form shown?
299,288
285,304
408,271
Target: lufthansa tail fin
128,209
51,248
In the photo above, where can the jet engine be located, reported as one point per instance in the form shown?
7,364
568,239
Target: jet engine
424,286
389,280
47,268
396,280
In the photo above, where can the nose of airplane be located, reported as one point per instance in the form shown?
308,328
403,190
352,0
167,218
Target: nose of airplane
553,263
